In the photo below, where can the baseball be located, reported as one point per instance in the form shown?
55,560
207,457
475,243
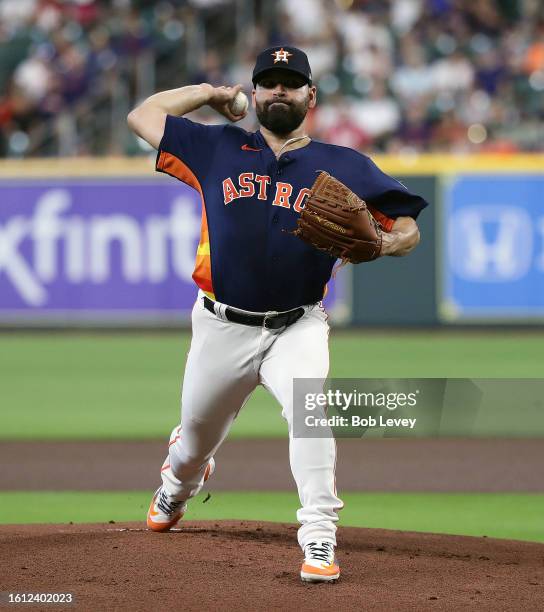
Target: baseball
240,103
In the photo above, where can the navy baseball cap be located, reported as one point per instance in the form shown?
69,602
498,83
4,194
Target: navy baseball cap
283,58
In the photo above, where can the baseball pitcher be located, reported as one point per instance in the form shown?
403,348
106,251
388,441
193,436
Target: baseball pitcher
279,209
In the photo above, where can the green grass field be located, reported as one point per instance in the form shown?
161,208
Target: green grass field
126,386
511,516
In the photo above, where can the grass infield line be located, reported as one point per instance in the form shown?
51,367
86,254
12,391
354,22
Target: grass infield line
515,516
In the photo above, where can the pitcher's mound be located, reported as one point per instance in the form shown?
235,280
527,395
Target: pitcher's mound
234,565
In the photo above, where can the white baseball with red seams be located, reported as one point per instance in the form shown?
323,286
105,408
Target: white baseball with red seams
240,103
226,362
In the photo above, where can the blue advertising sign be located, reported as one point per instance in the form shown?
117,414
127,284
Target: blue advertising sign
101,250
493,248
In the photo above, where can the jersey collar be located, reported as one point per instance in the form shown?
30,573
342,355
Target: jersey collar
261,140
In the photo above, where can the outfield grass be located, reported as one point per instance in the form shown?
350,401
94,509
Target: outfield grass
126,386
499,515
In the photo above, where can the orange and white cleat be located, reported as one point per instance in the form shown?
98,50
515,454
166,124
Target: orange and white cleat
319,563
165,510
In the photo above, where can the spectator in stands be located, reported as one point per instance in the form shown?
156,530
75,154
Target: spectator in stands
390,74
415,128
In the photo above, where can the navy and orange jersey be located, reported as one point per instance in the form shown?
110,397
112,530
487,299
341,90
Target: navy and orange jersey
246,257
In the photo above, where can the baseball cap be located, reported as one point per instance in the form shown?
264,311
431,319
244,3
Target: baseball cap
283,58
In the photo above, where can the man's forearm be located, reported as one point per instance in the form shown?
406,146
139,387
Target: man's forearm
148,119
403,238
180,101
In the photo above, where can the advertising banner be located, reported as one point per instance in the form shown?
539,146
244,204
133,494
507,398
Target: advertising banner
493,248
102,251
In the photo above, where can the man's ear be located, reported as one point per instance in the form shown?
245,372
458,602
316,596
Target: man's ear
312,101
253,102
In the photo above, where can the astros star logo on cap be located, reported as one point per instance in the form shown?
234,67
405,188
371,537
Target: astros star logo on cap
281,56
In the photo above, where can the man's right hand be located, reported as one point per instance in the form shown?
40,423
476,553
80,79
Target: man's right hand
220,99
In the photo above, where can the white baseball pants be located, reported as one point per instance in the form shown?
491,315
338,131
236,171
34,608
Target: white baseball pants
226,362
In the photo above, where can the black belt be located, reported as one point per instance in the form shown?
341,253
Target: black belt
270,321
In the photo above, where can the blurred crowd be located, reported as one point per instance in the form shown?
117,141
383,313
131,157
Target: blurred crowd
392,75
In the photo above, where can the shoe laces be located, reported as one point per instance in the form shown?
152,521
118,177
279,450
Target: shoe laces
166,505
322,551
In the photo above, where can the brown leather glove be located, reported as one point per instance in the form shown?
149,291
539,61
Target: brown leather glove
336,220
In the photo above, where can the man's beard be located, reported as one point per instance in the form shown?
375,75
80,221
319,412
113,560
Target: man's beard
282,118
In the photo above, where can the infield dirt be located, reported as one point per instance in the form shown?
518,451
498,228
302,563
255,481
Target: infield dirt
445,465
247,566
254,566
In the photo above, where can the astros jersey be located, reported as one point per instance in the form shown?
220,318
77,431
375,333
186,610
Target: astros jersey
246,257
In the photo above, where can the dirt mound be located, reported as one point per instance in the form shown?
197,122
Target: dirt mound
233,565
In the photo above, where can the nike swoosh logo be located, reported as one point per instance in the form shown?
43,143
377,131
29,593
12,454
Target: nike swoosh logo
246,147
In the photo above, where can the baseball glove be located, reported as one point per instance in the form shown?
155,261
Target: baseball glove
336,220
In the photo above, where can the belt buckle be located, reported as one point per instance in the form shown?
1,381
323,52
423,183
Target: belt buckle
269,316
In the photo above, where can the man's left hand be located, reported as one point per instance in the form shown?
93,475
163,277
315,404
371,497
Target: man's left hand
403,238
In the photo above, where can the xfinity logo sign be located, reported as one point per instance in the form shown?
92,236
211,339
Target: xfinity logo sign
110,239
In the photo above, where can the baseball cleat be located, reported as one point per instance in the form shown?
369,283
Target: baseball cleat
319,563
165,510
